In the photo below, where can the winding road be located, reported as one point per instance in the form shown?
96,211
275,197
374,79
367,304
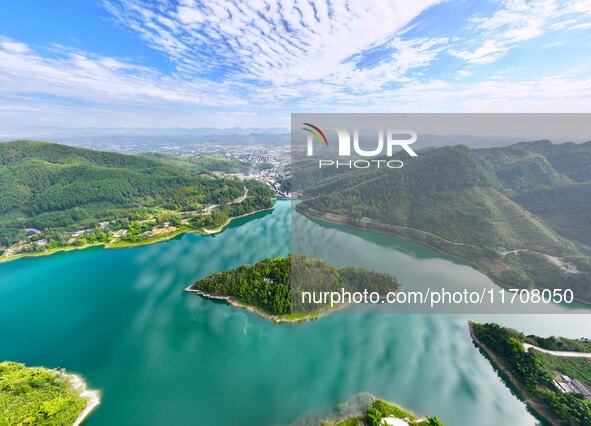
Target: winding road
565,354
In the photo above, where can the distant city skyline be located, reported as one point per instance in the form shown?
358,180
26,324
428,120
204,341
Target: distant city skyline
132,63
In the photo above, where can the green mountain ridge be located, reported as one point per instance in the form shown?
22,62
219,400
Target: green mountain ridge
46,185
203,164
450,192
470,203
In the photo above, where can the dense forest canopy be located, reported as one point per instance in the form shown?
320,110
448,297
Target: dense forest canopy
203,164
274,285
37,396
45,186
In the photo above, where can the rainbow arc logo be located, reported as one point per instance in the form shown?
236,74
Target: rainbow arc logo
316,132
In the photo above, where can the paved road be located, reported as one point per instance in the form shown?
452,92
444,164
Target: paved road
552,259
565,354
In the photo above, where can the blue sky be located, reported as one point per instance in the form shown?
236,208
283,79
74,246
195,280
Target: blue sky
224,63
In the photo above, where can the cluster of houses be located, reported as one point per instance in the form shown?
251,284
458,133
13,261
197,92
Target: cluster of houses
31,232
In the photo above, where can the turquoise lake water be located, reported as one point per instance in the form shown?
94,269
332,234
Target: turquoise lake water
161,356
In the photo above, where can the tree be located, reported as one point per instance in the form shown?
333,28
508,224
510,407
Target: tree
434,421
373,416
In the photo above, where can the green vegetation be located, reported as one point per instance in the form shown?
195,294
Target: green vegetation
467,203
267,285
534,371
203,164
552,181
58,190
579,368
554,343
450,192
375,413
36,396
565,208
259,198
264,285
541,273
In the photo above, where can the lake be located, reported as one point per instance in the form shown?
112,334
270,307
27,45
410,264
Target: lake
161,356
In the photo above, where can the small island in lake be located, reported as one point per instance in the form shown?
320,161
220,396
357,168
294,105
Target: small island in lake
552,375
274,287
40,396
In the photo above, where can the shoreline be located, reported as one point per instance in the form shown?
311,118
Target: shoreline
222,227
499,365
92,396
354,410
127,244
348,222
277,319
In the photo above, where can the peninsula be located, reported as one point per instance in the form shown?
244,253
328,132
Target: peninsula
550,378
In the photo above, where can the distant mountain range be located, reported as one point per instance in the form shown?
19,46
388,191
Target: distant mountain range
145,131
181,135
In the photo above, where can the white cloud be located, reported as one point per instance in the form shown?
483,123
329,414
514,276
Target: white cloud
275,56
272,41
518,21
490,51
559,93
13,46
90,78
584,26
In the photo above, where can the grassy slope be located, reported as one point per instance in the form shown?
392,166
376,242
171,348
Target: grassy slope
383,409
576,368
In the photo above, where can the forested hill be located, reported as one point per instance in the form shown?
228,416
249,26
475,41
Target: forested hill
46,185
21,151
534,197
202,164
452,192
475,191
552,181
275,286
